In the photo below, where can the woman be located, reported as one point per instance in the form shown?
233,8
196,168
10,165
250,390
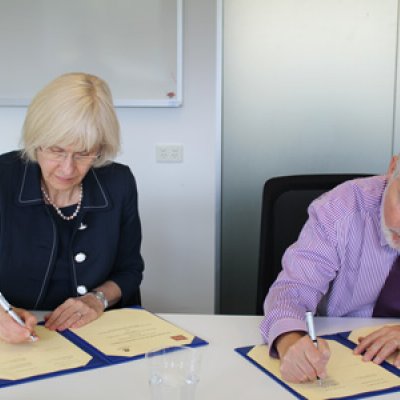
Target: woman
70,231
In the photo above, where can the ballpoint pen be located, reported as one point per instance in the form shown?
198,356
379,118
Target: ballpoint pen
311,333
8,309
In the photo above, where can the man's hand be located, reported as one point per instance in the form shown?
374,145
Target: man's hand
380,344
301,361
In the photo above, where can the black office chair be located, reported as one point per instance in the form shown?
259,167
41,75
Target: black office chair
284,212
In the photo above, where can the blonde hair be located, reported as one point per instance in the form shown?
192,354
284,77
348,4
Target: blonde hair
75,109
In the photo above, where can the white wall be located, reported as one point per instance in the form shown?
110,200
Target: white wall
309,87
177,201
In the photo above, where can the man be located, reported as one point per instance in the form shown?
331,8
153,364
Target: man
339,266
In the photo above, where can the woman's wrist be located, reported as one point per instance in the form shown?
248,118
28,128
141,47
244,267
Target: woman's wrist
107,294
101,297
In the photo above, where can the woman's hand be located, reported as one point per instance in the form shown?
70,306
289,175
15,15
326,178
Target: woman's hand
301,361
12,332
380,344
74,313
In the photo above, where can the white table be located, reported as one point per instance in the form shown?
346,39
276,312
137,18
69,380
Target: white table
224,375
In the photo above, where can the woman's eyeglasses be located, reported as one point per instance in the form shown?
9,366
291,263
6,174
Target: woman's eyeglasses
60,155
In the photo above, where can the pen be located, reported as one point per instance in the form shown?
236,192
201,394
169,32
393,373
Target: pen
311,332
8,309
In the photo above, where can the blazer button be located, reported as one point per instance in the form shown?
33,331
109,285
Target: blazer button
81,289
80,257
82,226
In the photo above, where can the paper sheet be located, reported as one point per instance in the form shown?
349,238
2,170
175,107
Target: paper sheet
130,332
49,354
347,374
362,332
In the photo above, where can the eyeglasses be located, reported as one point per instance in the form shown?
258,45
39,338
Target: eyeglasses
60,155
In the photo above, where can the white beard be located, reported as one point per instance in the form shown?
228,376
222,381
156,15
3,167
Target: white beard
386,231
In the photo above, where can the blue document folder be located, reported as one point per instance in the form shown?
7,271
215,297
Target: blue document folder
99,359
340,338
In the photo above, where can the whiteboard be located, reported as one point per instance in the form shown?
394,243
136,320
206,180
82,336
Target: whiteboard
135,45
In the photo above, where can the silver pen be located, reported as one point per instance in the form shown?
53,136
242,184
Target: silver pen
312,334
5,305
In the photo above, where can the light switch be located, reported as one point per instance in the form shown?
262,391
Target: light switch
169,152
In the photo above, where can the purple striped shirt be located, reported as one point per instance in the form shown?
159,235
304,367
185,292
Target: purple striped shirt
339,263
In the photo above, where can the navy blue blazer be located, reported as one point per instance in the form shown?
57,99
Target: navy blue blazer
107,234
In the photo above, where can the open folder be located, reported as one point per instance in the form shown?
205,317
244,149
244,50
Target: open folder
117,336
348,376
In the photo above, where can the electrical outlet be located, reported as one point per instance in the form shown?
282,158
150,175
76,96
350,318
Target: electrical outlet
169,153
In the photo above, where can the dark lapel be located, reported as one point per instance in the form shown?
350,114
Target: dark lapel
29,191
95,196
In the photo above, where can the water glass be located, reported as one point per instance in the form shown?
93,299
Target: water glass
173,373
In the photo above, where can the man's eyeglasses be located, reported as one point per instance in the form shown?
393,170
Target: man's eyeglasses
60,155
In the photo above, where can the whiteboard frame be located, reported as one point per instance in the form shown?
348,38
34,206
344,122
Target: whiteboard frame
177,101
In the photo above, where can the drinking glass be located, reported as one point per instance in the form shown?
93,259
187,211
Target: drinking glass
173,372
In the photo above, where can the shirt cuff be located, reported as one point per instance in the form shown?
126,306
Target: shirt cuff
280,327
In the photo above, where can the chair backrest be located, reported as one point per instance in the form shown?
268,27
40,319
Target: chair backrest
284,212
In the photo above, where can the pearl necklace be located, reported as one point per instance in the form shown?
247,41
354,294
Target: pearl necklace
59,212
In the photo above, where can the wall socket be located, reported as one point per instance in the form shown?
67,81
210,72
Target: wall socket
169,153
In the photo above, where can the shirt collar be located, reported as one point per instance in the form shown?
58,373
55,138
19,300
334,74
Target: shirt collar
95,196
